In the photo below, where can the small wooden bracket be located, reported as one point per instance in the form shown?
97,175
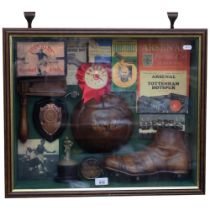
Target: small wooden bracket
172,17
29,16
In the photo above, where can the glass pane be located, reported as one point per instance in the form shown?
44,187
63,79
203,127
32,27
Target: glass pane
92,112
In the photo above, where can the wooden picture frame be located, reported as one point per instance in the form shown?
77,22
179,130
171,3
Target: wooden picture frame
112,181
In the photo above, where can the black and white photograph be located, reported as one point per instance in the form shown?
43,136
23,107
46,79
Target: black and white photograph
37,159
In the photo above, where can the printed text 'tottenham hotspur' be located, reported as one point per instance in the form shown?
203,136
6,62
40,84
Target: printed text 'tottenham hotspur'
163,85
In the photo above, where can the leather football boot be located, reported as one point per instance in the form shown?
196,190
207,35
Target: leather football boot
167,153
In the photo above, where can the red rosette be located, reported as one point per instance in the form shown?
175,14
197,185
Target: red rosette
89,91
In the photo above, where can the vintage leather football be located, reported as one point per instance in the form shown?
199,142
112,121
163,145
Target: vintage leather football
102,126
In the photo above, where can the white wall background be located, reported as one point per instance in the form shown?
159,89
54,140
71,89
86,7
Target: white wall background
102,14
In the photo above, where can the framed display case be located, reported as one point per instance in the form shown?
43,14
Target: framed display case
91,112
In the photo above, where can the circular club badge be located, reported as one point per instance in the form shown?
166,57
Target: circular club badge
96,76
94,80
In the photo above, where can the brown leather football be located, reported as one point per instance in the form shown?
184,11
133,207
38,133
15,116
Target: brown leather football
102,126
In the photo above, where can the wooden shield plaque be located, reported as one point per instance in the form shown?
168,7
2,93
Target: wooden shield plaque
50,117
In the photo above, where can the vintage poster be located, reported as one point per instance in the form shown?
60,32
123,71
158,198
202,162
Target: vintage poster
124,65
40,59
163,76
76,55
37,159
99,51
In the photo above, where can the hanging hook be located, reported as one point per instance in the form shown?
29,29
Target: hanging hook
172,17
29,16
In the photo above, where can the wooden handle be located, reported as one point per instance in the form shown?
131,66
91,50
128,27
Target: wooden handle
23,120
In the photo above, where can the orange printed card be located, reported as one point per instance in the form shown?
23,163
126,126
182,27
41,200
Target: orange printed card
163,76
